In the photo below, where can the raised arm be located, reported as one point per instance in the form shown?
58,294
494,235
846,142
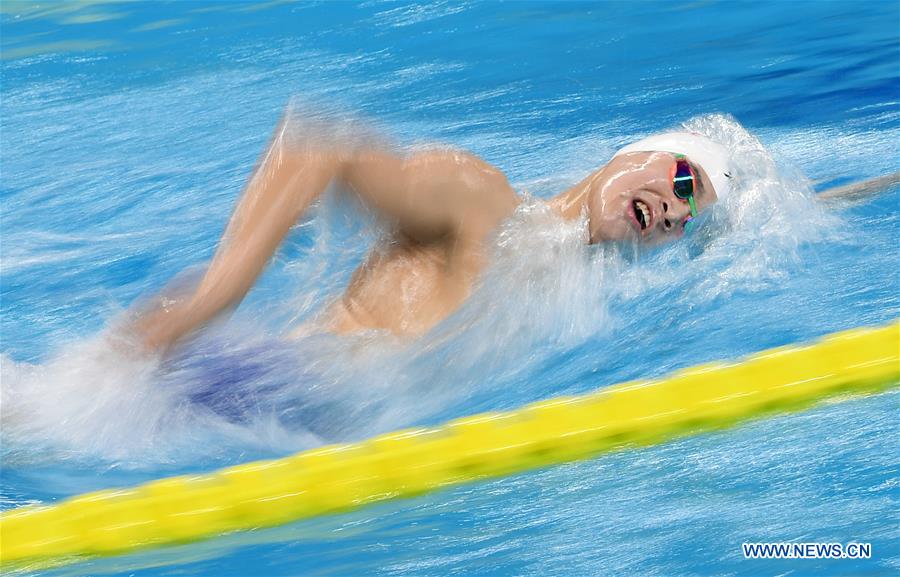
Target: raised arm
284,184
434,196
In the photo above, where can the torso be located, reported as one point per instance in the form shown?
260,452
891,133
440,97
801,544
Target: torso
406,287
414,280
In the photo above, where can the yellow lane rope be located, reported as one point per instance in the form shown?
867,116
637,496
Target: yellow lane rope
410,462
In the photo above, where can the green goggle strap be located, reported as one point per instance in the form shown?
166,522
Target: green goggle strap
693,206
689,225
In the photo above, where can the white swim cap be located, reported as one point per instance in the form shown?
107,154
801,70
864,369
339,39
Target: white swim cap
710,155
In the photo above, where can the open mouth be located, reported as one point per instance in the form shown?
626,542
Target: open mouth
641,213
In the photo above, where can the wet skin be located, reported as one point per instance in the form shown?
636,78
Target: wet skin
441,207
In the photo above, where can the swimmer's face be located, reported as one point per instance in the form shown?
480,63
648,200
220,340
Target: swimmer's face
632,199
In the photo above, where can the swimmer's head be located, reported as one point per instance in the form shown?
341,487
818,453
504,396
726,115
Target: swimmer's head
641,193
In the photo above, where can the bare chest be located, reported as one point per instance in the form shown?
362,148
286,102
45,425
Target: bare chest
407,288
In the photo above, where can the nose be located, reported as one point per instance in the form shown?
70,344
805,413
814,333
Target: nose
674,214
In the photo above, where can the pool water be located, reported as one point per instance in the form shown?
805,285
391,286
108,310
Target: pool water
128,130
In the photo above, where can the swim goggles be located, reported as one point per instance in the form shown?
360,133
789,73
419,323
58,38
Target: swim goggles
683,179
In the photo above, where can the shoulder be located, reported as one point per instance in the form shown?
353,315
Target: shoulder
453,164
480,188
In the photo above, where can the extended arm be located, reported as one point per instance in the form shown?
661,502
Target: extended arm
861,190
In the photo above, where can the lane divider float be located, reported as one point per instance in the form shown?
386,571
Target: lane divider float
410,462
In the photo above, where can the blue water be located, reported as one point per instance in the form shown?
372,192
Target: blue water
129,129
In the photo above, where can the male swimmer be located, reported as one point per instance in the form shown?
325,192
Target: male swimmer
441,208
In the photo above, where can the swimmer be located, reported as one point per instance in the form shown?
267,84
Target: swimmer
441,208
